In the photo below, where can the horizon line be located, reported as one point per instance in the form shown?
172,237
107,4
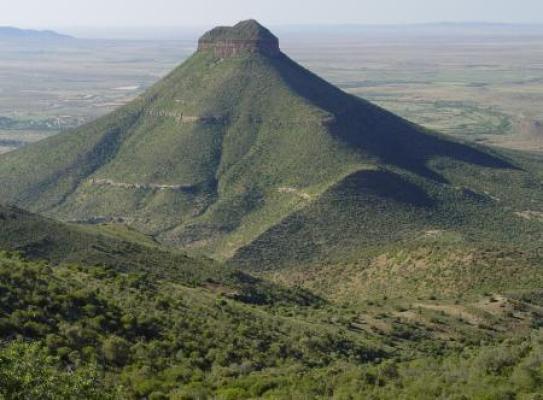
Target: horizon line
301,24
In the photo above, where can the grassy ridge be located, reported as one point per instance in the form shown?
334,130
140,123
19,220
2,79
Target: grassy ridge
39,238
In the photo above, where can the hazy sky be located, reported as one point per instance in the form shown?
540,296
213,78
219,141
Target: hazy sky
143,13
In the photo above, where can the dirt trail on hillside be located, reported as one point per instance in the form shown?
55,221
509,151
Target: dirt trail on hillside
295,191
148,186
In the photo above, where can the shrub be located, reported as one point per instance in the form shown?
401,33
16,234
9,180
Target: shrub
115,350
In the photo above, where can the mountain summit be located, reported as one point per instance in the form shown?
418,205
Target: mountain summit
246,36
243,154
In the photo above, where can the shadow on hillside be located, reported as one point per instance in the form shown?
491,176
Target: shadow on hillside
357,211
381,186
378,133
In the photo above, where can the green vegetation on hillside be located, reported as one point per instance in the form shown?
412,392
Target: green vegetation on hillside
191,329
90,333
367,257
40,238
156,335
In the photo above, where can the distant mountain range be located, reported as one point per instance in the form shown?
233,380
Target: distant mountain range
9,32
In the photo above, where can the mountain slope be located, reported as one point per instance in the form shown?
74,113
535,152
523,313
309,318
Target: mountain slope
426,251
129,333
41,238
125,251
240,147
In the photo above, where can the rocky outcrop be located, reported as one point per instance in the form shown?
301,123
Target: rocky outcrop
245,37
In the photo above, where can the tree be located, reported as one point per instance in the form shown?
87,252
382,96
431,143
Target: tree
28,372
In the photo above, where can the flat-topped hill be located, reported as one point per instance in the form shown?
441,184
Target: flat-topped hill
246,36
253,158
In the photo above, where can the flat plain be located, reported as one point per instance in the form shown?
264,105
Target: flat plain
49,87
486,88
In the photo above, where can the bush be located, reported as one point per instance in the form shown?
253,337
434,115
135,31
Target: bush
28,372
232,394
116,350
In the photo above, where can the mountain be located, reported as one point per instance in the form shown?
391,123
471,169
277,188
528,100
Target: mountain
242,154
422,255
8,32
